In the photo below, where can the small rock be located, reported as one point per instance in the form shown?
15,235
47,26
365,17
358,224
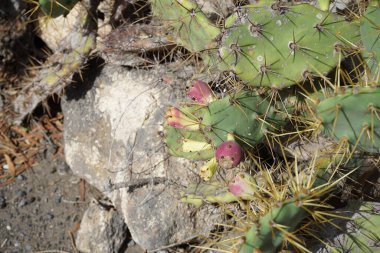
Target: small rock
74,180
20,194
3,203
28,248
21,177
58,199
53,170
101,230
25,202
31,200
134,249
22,203
63,169
48,216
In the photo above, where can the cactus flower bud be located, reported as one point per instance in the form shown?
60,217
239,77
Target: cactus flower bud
177,119
229,154
243,186
200,92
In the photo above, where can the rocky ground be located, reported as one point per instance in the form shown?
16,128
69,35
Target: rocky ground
42,209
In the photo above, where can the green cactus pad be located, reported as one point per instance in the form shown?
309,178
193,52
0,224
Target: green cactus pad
264,237
192,28
272,47
56,8
246,115
215,192
353,114
179,140
370,35
362,233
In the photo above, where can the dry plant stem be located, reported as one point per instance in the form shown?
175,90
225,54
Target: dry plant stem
59,68
19,147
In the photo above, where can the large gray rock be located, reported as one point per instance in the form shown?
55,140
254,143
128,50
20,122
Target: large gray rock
101,230
113,139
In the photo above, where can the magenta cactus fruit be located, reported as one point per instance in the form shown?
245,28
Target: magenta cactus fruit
243,186
178,119
200,92
229,154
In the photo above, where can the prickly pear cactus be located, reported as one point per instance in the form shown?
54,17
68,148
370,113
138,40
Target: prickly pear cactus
268,234
362,229
192,29
243,187
353,114
195,132
276,45
264,44
188,144
215,192
370,35
277,48
56,8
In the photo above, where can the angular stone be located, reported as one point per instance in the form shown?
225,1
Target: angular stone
101,230
113,139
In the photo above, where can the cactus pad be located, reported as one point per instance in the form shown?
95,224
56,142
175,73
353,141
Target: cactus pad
192,28
188,144
56,8
277,48
247,116
268,234
355,115
215,192
370,35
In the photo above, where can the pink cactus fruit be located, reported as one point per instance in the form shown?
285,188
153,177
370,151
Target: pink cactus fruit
177,119
200,92
243,186
228,154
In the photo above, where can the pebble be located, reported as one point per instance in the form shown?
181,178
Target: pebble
3,203
21,177
74,180
53,170
32,199
20,194
58,199
25,202
28,248
29,189
22,203
48,216
63,169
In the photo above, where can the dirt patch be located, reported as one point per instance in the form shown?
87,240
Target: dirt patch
41,208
